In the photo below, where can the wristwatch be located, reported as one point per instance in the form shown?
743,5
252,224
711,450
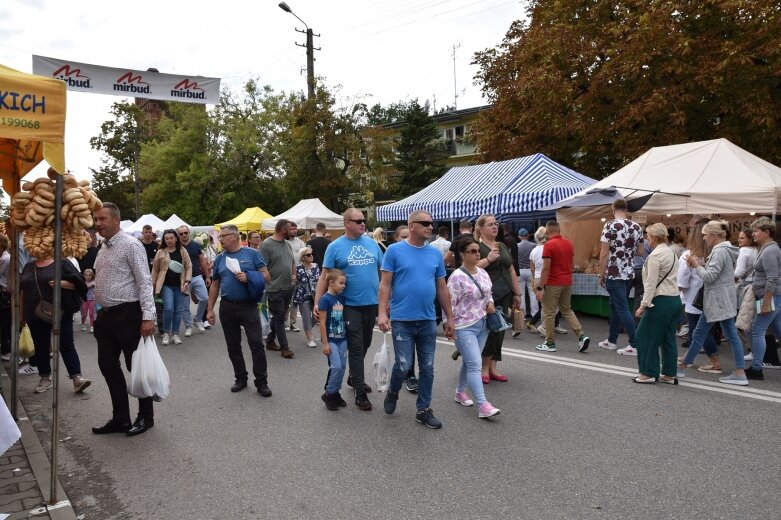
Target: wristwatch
539,288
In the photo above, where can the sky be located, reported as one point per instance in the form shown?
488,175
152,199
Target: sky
378,51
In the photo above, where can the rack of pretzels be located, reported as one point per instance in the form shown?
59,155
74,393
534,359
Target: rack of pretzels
32,211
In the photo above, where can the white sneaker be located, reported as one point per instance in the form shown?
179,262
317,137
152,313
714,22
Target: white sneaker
627,351
28,370
83,327
188,331
166,339
541,330
463,399
207,325
92,330
177,340
683,332
5,358
311,343
733,379
293,328
199,326
607,345
560,330
749,357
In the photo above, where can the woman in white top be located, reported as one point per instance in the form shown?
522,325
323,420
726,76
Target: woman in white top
535,264
744,266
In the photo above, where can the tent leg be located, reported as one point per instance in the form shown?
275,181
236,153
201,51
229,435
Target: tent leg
57,303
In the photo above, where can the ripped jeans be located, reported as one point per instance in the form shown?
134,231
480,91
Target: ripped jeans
414,336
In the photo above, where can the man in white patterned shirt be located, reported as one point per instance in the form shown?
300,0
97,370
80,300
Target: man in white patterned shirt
123,289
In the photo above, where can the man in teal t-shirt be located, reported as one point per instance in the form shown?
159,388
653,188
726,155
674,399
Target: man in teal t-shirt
360,258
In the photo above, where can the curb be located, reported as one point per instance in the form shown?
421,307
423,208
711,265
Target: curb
39,461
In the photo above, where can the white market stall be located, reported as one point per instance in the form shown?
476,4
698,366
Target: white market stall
307,214
174,222
156,223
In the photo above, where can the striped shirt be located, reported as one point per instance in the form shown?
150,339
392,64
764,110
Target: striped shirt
122,275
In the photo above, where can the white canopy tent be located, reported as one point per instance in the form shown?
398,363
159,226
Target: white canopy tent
125,224
156,223
174,222
306,214
704,177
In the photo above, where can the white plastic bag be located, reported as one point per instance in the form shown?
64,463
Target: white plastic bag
383,365
148,375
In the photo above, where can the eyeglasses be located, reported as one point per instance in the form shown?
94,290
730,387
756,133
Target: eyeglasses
472,250
226,235
424,223
358,221
184,233
307,254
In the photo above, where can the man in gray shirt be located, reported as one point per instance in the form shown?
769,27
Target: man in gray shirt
282,267
525,247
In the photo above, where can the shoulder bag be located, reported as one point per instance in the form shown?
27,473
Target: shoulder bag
497,321
44,311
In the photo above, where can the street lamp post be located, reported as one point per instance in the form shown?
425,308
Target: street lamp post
310,51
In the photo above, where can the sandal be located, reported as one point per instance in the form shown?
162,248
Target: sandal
710,369
647,381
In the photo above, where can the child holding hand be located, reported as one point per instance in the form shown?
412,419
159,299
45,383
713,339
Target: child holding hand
88,305
334,338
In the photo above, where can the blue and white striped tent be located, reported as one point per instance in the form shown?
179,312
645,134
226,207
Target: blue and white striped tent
513,189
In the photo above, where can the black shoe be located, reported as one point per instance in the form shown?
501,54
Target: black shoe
264,390
412,384
366,388
752,373
330,401
112,427
140,425
342,403
426,416
390,401
238,386
362,402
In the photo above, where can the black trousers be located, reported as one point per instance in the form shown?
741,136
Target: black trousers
359,322
278,305
117,331
234,316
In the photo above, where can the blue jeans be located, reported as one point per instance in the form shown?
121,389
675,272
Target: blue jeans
702,331
710,346
337,364
762,322
619,309
198,289
409,337
470,342
173,301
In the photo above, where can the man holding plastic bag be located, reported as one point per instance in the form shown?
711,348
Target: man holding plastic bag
123,289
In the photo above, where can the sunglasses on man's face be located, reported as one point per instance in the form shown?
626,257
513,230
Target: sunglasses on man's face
358,221
424,223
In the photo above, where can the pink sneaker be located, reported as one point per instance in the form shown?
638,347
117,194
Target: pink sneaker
487,410
463,399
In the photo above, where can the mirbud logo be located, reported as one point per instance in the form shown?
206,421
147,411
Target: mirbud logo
188,89
131,84
72,77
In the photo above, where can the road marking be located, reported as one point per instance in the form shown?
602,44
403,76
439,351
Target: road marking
700,384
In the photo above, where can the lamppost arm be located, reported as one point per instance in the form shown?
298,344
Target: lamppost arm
287,9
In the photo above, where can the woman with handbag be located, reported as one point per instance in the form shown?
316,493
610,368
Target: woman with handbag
658,311
718,275
470,297
497,261
171,275
37,294
307,275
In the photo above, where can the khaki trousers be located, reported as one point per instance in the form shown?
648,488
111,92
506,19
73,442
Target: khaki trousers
558,296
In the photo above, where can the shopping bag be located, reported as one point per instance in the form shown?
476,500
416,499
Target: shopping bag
265,325
518,319
26,345
148,375
383,365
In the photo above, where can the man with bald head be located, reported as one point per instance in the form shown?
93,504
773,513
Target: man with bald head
359,257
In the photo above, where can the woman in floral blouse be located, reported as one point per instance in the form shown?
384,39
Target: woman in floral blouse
470,296
307,274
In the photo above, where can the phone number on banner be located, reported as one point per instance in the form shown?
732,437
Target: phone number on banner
18,122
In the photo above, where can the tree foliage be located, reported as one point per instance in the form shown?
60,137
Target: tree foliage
594,84
421,154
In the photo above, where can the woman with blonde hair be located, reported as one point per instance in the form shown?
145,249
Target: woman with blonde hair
379,236
718,275
658,311
307,275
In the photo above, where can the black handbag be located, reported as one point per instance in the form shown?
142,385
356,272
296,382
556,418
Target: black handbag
699,299
44,311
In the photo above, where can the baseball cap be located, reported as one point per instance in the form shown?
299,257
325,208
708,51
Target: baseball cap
523,232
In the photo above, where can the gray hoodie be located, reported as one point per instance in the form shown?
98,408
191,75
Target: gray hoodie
767,269
718,275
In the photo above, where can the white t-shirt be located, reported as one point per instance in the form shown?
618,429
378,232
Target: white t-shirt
535,257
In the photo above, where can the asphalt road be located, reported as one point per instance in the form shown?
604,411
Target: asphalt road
575,439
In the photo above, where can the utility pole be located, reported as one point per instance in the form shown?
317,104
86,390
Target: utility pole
455,87
310,52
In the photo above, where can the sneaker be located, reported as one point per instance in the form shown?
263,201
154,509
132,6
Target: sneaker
607,345
530,327
330,402
207,325
683,332
177,340
560,330
770,366
412,384
362,402
583,342
293,328
629,350
426,416
5,358
199,326
753,373
733,379
91,330
44,384
28,370
748,357
516,334
541,330
80,384
463,399
546,347
188,331
390,402
487,410
311,343
166,339
341,402
83,327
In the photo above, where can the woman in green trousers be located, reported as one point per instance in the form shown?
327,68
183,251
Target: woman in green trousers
659,311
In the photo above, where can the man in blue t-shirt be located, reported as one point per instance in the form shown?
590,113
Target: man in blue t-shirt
237,307
360,258
200,281
413,274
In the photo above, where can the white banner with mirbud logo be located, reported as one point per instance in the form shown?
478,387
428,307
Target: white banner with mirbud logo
83,77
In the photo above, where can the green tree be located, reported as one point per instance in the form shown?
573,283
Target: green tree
594,84
421,153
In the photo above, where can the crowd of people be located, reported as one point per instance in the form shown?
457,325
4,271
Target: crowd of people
130,288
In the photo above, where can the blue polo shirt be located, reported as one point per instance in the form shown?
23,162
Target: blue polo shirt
230,287
415,274
360,260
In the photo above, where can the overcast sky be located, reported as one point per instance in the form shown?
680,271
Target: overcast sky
378,51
